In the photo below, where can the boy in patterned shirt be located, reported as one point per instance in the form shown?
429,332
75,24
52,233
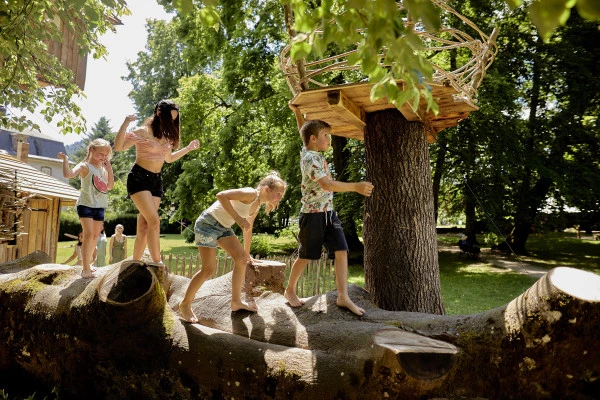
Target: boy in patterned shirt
319,224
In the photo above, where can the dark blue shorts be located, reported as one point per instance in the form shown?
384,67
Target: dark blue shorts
97,214
318,229
140,179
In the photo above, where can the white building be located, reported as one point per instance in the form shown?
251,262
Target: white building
36,149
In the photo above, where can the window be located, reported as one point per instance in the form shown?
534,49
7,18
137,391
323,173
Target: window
47,170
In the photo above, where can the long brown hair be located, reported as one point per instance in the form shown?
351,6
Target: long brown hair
163,124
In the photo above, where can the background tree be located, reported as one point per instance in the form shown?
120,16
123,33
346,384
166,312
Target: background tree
25,29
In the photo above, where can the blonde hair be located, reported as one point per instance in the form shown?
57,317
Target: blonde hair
95,144
272,180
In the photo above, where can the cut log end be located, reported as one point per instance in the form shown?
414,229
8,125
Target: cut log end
421,357
576,283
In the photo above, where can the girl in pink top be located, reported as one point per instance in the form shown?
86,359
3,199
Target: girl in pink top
155,142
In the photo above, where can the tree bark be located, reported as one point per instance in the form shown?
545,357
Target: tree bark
401,264
115,336
440,161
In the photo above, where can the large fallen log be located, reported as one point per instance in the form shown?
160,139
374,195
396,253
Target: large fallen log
117,336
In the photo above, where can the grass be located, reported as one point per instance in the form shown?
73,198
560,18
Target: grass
468,286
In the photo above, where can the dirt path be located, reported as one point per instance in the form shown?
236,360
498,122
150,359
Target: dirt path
502,261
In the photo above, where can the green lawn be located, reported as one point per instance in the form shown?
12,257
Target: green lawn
468,286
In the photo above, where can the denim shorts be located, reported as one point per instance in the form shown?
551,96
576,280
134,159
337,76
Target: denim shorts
318,229
208,230
140,179
97,214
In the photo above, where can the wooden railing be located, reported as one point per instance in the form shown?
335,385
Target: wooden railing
318,276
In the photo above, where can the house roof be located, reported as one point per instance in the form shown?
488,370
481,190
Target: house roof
39,144
30,180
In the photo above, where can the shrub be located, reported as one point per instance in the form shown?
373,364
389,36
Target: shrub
260,246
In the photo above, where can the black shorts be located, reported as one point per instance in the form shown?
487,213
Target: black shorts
318,229
140,179
97,214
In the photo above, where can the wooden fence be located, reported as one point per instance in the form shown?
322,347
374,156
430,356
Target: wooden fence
318,276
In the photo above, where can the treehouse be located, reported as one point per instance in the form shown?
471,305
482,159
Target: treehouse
68,52
31,202
344,106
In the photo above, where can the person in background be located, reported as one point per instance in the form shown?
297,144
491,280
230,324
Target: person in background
77,252
100,253
155,143
118,245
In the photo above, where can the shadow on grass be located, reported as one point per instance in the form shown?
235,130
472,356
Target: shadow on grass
564,251
473,286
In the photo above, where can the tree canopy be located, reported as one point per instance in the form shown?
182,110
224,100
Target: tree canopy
26,29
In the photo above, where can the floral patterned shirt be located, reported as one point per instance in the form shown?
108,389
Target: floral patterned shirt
314,167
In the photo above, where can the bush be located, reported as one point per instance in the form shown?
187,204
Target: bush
69,223
260,246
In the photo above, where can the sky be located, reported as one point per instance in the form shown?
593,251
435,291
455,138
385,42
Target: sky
107,93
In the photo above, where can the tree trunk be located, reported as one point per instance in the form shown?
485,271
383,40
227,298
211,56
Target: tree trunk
115,337
401,264
437,174
341,158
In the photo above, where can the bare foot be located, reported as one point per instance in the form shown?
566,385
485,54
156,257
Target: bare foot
87,274
349,304
242,305
293,298
186,312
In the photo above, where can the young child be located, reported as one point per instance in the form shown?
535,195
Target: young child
118,245
213,227
77,252
318,222
156,142
97,179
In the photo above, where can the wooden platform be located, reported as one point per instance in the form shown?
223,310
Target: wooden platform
345,108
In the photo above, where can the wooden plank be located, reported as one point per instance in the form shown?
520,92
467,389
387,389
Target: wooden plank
346,108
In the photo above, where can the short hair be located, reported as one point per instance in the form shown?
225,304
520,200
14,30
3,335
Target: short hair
312,128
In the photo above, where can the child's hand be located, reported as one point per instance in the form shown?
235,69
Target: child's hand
194,145
242,223
131,118
62,156
365,188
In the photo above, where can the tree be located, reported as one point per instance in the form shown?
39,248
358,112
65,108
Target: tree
26,28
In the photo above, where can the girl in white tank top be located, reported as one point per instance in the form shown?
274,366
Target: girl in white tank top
213,227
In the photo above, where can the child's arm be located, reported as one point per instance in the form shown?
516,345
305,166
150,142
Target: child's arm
73,256
69,173
109,175
120,142
248,236
245,195
125,245
176,155
110,246
364,188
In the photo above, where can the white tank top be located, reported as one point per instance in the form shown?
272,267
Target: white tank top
221,215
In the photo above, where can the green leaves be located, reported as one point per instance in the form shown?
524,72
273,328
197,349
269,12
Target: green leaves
547,15
26,29
589,9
